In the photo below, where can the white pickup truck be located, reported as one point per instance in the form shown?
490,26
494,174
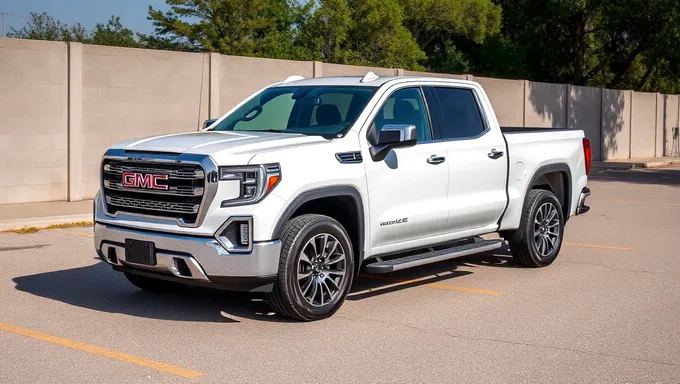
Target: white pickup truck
308,181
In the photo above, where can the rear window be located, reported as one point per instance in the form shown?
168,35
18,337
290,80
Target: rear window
461,113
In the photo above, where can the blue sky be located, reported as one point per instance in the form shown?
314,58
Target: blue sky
88,13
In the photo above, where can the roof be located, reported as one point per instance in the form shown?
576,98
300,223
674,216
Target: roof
339,80
375,81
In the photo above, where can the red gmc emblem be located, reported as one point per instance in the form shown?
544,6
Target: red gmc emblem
138,180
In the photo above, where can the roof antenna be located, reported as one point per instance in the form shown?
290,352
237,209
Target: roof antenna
370,76
293,78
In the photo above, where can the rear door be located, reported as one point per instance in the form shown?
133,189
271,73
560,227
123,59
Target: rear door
476,156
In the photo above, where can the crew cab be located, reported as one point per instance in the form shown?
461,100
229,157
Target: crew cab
309,181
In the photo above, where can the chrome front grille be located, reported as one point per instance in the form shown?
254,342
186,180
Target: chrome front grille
161,206
178,191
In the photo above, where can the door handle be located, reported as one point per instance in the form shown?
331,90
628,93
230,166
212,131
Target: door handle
434,159
494,154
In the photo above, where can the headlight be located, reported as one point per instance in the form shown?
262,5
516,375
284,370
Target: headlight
255,182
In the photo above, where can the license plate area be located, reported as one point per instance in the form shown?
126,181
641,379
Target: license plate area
140,252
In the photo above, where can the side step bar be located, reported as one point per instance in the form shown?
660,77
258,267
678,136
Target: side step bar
428,257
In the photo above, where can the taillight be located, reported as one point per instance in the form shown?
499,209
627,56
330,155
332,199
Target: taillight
586,154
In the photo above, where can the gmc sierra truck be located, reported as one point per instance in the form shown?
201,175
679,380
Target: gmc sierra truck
308,181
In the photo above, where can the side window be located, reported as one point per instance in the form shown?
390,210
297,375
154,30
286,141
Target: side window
405,106
461,113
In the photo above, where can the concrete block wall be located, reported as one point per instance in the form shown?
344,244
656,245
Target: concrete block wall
239,77
131,93
545,105
616,123
643,125
33,121
584,111
507,98
671,120
62,105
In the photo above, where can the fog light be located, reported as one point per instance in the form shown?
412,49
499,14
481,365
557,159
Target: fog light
235,235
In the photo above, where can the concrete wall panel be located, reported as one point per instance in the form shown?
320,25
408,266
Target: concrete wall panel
131,93
33,121
616,109
585,113
671,121
545,105
432,74
242,76
507,99
330,70
643,125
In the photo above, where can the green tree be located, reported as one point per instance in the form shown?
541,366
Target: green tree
608,43
448,30
44,27
360,32
113,33
232,27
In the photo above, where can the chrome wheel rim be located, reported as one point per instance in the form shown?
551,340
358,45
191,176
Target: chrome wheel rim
546,229
321,269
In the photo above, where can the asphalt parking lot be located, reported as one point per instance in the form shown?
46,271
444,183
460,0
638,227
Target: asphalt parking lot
607,311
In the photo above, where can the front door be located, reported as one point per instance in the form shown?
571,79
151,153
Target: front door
407,190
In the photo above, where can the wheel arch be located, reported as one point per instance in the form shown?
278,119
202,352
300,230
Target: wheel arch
555,178
343,203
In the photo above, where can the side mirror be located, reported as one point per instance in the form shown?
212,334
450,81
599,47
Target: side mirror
208,122
391,136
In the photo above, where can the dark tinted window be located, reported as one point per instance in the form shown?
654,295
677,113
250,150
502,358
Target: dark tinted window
461,114
405,106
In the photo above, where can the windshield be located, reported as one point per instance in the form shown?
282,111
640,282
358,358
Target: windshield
311,110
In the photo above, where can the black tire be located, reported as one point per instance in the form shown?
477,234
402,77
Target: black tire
152,285
524,248
287,297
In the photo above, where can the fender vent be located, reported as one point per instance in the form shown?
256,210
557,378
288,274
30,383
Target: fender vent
349,157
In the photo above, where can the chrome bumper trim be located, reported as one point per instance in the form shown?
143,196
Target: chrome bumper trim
582,208
204,256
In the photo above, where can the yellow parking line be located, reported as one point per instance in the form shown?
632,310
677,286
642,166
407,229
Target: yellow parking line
81,234
136,360
433,285
597,246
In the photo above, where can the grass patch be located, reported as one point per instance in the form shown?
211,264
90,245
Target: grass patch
27,230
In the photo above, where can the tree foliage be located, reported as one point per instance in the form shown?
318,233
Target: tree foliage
630,44
44,27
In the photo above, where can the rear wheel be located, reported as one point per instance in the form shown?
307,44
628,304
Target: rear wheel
152,285
316,268
542,230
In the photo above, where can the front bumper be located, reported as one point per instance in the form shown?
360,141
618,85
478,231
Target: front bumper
192,259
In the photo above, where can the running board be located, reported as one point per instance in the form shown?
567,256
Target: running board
428,257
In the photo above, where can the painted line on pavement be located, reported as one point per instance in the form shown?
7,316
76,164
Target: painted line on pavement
433,285
612,247
92,349
89,235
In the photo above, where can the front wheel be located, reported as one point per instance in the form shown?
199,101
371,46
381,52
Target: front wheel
316,268
542,230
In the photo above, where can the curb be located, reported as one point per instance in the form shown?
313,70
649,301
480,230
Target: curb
42,222
602,166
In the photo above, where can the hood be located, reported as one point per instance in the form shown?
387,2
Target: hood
241,145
